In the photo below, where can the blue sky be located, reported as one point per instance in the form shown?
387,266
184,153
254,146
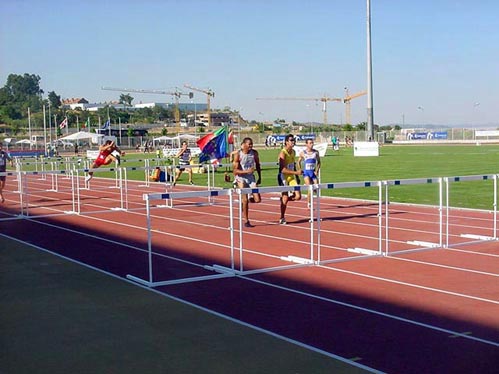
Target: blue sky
434,61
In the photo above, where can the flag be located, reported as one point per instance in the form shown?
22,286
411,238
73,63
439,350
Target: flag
213,146
107,124
64,123
86,124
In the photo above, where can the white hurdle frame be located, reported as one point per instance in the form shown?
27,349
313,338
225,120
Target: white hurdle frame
477,238
221,273
315,256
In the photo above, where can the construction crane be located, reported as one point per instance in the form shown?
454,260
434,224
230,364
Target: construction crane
324,99
209,94
176,95
347,100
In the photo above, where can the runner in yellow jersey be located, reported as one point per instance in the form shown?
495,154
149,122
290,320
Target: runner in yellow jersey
288,174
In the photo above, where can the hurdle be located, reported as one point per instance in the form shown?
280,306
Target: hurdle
151,282
147,171
416,244
487,234
121,183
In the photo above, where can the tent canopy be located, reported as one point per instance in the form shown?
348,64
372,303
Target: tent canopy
25,141
185,136
162,139
81,135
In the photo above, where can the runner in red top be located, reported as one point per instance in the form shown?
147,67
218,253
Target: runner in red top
105,157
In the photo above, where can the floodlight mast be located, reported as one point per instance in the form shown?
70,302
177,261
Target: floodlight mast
370,111
176,94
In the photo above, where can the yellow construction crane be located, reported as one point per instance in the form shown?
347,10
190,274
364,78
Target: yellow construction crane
176,94
209,94
347,100
324,99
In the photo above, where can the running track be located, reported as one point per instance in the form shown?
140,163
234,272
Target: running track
429,311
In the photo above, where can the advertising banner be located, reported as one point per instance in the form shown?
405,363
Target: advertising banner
364,149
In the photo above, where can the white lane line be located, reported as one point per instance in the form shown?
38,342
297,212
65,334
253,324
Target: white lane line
443,266
204,309
412,285
473,252
372,311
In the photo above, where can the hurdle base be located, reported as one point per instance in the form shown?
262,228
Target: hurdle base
363,251
298,260
179,281
478,237
71,212
424,244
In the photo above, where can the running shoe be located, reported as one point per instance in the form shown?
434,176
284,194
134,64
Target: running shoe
282,221
248,224
191,183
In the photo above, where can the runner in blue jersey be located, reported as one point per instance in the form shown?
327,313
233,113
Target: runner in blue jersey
311,164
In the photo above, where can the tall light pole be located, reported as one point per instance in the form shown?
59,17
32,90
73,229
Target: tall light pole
50,127
370,111
475,105
420,108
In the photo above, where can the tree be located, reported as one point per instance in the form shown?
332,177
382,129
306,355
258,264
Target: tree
21,87
54,100
362,126
126,100
19,93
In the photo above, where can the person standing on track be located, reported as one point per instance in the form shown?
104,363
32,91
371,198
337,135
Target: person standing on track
246,161
311,164
4,157
185,158
107,154
288,174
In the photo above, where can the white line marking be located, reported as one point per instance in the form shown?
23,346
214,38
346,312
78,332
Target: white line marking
372,311
212,312
473,252
443,266
412,285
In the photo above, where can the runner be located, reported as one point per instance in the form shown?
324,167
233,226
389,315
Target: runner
246,162
185,158
4,157
288,174
108,152
311,164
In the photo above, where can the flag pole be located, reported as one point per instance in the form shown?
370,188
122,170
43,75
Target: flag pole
44,130
29,131
50,126
55,127
108,122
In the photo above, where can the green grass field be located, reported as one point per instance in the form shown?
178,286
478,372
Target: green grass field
399,162
394,162
405,162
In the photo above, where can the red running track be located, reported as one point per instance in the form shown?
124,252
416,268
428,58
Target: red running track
428,311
